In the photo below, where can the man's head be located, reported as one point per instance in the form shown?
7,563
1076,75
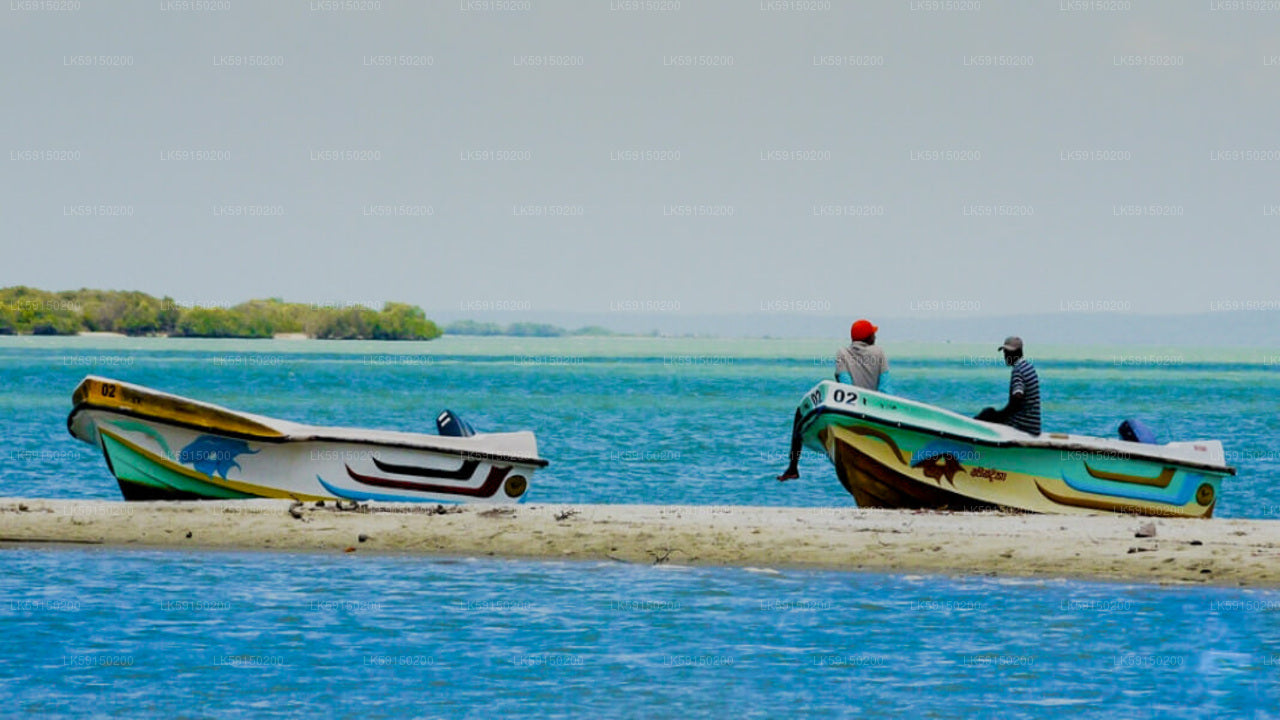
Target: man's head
863,331
1012,349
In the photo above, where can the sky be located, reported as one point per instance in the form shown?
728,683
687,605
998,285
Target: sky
915,158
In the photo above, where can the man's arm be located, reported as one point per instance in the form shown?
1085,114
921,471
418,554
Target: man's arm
884,385
1016,401
843,374
1017,395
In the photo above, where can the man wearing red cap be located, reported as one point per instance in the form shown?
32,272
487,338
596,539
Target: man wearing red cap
860,363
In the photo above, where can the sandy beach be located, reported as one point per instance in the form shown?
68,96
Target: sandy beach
1104,547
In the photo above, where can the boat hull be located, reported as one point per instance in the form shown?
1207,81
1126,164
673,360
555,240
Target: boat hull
885,455
152,460
875,484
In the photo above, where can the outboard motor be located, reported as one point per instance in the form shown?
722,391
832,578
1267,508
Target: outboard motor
450,425
1137,431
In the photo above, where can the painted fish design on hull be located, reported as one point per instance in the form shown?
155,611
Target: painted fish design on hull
939,459
210,454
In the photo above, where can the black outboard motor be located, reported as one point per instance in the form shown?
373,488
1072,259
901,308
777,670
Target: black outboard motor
450,425
1135,430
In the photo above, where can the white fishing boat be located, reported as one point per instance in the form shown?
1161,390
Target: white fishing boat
162,446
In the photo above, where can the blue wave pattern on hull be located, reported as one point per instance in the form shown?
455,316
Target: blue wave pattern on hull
1184,482
377,497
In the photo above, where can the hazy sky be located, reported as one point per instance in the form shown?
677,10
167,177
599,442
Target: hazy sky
898,158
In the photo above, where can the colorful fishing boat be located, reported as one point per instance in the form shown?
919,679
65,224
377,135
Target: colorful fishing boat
891,452
165,447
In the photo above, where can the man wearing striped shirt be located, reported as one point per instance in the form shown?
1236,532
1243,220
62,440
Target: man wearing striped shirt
1023,410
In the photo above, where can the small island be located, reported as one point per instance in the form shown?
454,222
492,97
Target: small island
29,311
522,329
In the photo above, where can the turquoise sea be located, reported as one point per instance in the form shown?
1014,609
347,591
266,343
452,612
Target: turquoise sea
639,420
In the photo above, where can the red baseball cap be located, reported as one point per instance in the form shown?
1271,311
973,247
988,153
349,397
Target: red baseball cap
861,330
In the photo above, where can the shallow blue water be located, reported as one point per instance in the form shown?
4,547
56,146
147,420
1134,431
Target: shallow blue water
119,634
142,634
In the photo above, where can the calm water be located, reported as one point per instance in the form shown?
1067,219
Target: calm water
257,635
133,634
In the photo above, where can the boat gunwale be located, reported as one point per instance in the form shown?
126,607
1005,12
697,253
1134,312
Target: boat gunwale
1035,443
314,437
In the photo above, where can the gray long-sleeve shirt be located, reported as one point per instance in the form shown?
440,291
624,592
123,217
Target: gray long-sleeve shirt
864,363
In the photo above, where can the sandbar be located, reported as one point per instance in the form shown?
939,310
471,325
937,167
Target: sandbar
1223,552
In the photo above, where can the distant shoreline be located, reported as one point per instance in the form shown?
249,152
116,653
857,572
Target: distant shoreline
26,311
107,313
102,334
31,311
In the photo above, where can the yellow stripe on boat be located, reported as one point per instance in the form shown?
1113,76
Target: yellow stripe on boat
108,394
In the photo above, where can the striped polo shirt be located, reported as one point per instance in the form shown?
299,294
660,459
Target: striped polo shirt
1023,379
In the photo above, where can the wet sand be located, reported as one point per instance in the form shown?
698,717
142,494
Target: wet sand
1104,547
